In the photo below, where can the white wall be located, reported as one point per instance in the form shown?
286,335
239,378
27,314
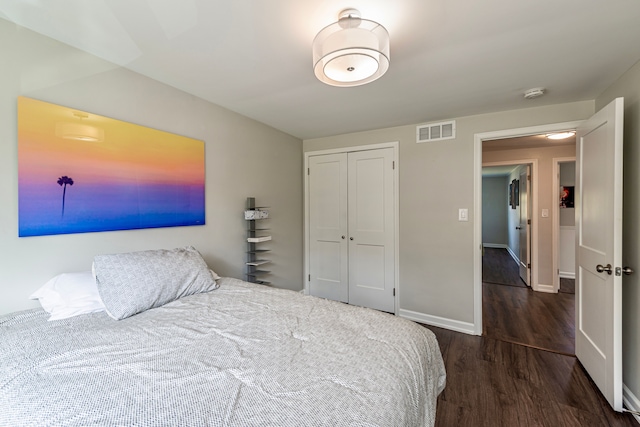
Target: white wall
243,158
495,198
437,179
628,86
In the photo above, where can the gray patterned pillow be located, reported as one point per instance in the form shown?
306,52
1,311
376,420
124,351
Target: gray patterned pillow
133,282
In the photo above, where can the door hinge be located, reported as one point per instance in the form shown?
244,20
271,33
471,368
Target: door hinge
309,278
394,292
528,177
529,222
529,265
393,163
308,171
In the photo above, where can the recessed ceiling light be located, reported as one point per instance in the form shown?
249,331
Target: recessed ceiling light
561,135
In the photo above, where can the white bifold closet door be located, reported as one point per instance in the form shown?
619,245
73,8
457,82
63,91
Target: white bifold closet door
351,225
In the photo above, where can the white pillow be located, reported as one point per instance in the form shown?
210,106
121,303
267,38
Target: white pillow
68,295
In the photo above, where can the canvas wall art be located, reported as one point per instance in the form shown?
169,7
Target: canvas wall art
80,172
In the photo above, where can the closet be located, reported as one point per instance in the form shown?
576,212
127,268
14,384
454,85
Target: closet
351,228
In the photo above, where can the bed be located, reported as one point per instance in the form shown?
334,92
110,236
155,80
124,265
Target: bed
240,354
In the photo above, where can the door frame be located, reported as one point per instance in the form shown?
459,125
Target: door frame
528,185
555,229
478,138
396,210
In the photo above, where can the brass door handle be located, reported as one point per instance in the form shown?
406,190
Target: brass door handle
601,269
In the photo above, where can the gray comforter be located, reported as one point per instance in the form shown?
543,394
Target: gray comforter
243,355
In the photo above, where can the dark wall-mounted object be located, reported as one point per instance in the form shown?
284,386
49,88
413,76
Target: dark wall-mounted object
566,197
514,193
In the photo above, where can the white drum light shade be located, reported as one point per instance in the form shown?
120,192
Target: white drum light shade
79,132
351,52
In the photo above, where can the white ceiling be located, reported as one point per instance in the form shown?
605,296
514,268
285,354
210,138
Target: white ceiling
449,58
493,171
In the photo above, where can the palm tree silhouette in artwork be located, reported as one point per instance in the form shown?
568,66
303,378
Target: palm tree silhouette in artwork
63,181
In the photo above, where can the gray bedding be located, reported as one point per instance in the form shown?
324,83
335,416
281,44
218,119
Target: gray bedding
242,355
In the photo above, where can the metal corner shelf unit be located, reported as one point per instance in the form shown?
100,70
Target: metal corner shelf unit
257,234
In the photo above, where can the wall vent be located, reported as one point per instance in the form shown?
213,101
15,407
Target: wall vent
436,131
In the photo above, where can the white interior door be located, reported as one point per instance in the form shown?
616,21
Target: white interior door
524,226
599,250
328,259
371,229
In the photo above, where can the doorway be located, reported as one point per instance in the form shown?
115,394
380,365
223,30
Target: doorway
511,310
564,254
516,313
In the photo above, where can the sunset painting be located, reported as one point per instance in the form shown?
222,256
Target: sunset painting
79,172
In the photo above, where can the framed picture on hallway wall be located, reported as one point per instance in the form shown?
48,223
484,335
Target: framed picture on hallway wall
566,197
514,193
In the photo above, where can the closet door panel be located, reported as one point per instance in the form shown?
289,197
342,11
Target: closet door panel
328,263
371,229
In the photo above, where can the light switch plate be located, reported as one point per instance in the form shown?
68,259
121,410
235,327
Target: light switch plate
463,214
545,213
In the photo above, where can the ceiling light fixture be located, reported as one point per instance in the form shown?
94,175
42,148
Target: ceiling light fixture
561,135
80,130
536,92
351,52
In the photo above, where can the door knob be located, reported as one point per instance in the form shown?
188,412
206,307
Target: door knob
627,270
350,238
518,228
601,269
343,237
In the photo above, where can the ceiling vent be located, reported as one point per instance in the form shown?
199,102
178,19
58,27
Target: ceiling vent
436,131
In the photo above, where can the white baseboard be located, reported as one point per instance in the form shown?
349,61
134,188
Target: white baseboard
495,245
440,322
631,401
514,256
541,287
567,275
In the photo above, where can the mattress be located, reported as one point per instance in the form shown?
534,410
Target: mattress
242,355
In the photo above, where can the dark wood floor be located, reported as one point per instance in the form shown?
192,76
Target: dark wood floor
499,267
495,383
567,286
517,314
523,316
495,380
